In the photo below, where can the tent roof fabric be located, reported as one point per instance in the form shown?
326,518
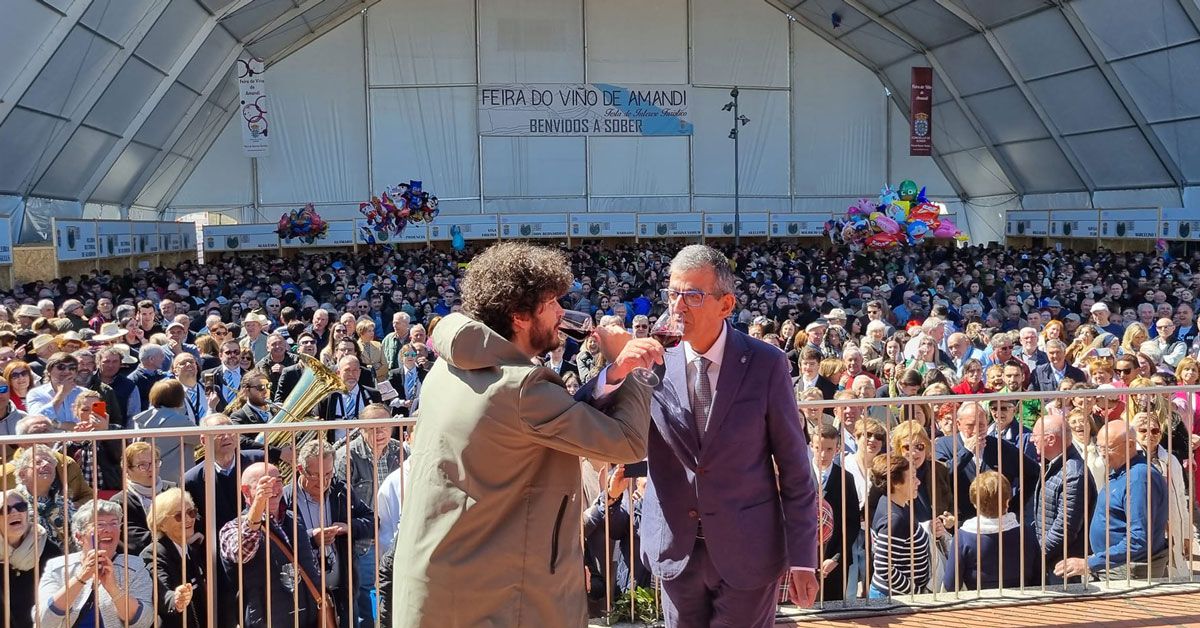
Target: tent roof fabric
114,101
1036,96
110,101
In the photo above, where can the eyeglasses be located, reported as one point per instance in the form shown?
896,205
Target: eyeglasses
66,367
234,352
1005,407
219,332
1153,431
20,373
258,387
190,512
874,436
1122,371
693,298
410,354
915,447
21,506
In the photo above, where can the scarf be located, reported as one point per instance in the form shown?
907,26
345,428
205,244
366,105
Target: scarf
24,556
143,492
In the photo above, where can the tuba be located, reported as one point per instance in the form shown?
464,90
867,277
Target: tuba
316,382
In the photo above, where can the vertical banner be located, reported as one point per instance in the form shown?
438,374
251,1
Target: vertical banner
920,137
252,93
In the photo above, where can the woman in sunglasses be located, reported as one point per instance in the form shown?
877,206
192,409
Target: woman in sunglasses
1148,430
27,548
337,332
20,380
176,558
935,492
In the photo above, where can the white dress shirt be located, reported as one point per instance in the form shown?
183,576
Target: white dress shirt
687,371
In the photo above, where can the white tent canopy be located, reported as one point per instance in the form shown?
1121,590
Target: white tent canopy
123,108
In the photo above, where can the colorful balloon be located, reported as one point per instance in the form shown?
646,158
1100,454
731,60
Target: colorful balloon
887,225
399,205
917,229
946,229
908,190
884,240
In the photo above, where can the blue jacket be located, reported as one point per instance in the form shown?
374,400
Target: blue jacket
1056,511
984,545
1121,525
144,379
998,455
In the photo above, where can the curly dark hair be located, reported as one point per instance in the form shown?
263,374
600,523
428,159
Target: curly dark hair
512,278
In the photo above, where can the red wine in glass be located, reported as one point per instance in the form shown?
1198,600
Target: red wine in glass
575,334
668,338
576,325
668,331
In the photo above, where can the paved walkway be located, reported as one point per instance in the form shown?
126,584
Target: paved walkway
1179,609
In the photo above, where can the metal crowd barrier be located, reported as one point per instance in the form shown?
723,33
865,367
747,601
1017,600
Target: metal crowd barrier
855,566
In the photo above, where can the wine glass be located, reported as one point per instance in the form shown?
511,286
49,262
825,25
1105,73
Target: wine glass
668,331
576,325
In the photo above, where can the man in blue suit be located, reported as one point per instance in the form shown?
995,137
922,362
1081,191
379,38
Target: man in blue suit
731,504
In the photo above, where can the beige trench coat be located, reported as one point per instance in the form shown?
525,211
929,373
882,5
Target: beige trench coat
490,534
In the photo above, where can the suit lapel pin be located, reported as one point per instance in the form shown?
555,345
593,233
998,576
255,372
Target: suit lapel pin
743,359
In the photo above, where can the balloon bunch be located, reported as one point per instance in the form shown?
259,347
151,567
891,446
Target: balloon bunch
901,217
390,212
304,223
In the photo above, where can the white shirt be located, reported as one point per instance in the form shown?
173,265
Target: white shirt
388,506
686,371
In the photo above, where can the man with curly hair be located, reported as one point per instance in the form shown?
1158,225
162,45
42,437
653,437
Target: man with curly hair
490,533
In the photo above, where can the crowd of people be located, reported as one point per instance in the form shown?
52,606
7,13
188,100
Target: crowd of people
925,496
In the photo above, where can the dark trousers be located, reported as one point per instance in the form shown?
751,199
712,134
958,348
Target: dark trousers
699,598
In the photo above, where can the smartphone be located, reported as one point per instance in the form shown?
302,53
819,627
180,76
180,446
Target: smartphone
636,470
209,380
100,407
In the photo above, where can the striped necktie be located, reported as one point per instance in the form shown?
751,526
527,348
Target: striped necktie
701,394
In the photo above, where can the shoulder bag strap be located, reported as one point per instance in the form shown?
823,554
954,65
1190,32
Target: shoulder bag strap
291,558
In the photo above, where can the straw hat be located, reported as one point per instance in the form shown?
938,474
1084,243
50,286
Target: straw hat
126,356
109,332
69,338
29,311
255,317
39,342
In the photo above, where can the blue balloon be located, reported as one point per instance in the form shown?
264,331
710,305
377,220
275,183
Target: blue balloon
456,238
917,228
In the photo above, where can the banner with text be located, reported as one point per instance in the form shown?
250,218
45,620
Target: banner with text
6,253
252,97
74,240
920,140
578,109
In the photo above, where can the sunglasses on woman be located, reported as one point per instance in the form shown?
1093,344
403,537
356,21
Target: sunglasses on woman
190,512
21,506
